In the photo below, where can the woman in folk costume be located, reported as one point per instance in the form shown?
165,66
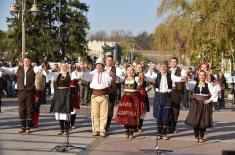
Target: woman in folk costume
142,94
200,110
61,102
74,96
128,112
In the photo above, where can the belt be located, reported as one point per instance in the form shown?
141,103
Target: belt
99,92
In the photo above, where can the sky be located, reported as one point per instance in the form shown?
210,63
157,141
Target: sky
129,15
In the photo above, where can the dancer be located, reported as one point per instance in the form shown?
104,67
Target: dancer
99,83
128,112
142,94
61,102
26,91
111,70
162,102
200,110
177,88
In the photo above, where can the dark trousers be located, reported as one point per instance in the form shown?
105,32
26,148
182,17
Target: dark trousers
162,109
119,91
26,107
112,97
175,100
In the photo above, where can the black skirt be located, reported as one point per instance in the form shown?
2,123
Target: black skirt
200,114
61,101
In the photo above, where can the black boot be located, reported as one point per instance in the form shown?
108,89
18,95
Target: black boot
109,120
61,127
140,126
201,134
72,121
196,134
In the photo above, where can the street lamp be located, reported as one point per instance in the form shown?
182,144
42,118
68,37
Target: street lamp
14,10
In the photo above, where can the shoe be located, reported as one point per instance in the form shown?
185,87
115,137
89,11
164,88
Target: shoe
174,132
21,131
164,137
201,140
60,133
108,129
66,133
95,134
102,134
196,139
159,137
140,130
127,136
27,131
73,127
131,136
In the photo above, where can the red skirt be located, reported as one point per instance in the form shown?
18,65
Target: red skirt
144,101
128,111
75,98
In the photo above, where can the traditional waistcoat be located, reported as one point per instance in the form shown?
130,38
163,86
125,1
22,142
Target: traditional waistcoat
63,81
158,80
30,79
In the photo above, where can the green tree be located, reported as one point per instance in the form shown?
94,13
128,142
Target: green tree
42,31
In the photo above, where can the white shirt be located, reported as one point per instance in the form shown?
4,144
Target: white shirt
100,80
120,74
182,73
13,71
163,88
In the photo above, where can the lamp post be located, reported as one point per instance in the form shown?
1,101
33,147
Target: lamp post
14,10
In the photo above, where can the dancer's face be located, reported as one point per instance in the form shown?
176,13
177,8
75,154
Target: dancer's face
163,68
202,76
63,67
130,71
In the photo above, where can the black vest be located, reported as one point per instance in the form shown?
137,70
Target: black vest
158,80
205,90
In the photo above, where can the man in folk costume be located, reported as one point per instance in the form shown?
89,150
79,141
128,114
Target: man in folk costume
162,102
26,91
177,88
99,83
142,94
40,84
111,70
